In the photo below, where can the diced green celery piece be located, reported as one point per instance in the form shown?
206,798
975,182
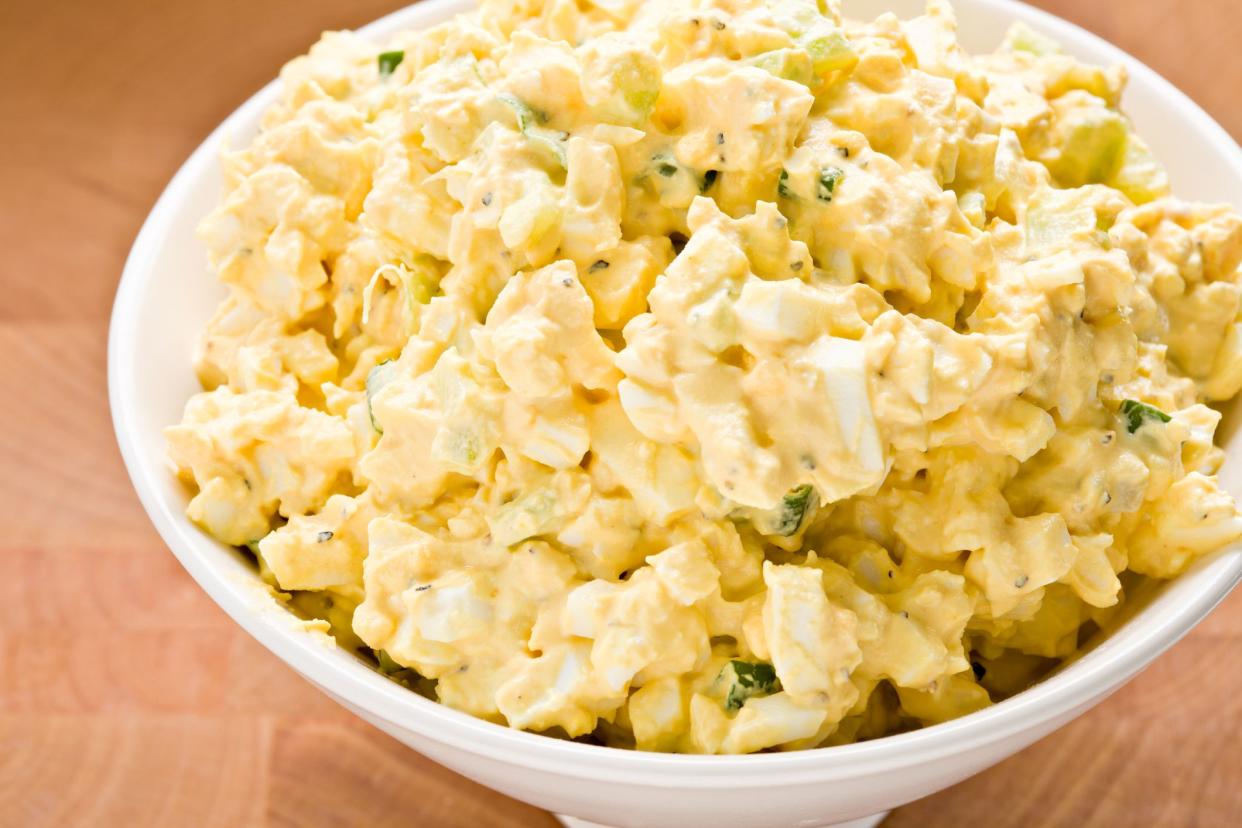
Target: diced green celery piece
550,142
1093,143
788,64
377,378
830,51
548,215
1022,38
528,121
1141,176
1058,218
638,78
642,100
630,82
458,444
797,16
419,281
526,116
527,517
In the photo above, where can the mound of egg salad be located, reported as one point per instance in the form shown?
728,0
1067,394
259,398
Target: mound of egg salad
710,376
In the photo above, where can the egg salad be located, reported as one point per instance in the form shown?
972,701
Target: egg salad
710,376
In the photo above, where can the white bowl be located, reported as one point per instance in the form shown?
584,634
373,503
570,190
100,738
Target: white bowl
166,296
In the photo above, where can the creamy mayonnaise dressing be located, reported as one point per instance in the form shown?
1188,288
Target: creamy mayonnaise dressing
710,375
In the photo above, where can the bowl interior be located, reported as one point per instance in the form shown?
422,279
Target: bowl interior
168,293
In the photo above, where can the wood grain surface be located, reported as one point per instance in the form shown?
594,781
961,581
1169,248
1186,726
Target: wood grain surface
128,699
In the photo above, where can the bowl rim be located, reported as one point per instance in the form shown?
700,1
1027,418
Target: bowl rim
1060,696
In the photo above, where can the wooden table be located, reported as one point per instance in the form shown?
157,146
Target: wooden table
128,699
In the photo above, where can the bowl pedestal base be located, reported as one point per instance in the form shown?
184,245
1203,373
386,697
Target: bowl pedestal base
862,822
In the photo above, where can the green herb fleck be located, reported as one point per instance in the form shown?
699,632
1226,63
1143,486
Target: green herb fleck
794,507
829,177
1136,414
666,169
782,185
749,679
389,61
